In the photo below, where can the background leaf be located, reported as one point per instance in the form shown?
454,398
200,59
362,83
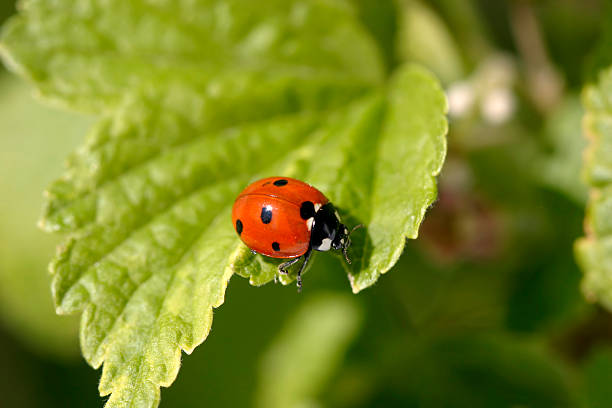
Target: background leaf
598,369
193,108
306,353
560,166
483,371
424,38
594,252
27,154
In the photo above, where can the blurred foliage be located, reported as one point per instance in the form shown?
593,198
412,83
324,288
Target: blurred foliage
29,157
7,8
472,371
558,165
423,37
595,250
599,56
40,348
295,369
598,368
483,310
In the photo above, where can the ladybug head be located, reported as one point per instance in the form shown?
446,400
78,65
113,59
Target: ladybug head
343,239
328,233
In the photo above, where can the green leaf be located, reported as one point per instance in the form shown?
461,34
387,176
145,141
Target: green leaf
392,199
86,54
559,167
594,252
384,182
301,360
196,101
424,37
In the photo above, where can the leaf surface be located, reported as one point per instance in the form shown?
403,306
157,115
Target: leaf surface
85,54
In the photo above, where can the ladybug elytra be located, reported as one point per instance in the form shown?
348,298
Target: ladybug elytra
281,217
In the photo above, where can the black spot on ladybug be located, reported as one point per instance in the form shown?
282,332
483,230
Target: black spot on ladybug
276,246
307,210
266,214
280,183
239,227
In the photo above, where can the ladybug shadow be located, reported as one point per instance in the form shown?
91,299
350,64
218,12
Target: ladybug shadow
360,250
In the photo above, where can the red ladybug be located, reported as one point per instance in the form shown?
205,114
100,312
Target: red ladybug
281,217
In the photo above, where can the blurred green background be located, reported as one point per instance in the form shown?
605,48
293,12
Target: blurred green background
483,310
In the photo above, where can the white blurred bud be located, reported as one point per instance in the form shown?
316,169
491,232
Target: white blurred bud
461,98
497,105
489,89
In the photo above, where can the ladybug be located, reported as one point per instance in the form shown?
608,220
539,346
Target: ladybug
281,217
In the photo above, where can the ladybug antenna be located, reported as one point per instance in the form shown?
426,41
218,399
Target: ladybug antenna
348,243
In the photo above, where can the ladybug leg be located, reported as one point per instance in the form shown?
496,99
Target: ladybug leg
345,250
299,274
347,244
282,268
